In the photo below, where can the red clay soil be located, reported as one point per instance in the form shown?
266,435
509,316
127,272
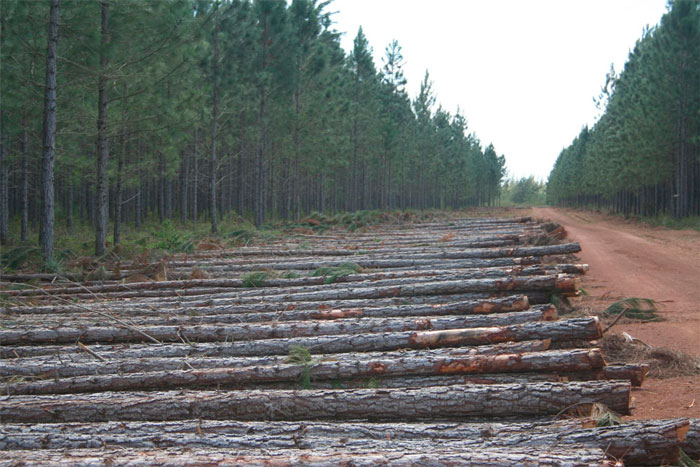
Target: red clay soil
628,259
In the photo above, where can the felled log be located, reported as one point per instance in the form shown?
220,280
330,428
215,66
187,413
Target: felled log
635,373
211,305
564,284
255,331
189,316
435,457
379,381
648,442
498,400
350,366
220,285
580,328
59,362
691,444
126,358
368,263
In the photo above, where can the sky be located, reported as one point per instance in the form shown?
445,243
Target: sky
523,72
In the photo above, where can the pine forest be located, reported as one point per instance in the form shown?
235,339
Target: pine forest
642,156
195,110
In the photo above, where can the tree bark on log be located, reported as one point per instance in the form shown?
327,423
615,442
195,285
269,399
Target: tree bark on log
649,442
55,355
634,373
59,362
470,457
205,286
345,367
175,317
691,444
88,330
563,284
579,328
498,400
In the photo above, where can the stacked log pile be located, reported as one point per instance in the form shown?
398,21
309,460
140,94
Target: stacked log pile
431,343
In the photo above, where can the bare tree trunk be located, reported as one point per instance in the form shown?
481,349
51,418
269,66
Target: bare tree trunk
24,234
4,218
120,164
184,175
239,197
214,123
49,151
195,173
102,142
69,214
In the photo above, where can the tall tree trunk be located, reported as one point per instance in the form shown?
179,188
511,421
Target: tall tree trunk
120,165
102,142
260,154
214,123
183,188
240,206
24,234
69,210
49,151
4,218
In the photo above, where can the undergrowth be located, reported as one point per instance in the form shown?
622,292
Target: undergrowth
299,355
333,273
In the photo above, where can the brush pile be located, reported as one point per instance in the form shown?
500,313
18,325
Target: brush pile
405,344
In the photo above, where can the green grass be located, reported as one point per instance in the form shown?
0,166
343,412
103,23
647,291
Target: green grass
686,223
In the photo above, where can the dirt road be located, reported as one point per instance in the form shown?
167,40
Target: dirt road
633,260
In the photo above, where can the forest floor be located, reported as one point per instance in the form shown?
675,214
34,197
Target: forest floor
630,259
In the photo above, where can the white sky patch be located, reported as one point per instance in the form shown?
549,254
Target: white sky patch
524,73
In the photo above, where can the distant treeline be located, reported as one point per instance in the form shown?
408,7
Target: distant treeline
192,109
642,156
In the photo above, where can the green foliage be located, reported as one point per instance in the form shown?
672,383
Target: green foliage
643,309
333,273
299,355
643,154
302,127
526,191
690,222
608,418
169,239
14,258
373,383
255,279
684,460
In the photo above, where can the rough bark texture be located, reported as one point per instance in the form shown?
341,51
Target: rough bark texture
498,400
340,368
496,457
209,350
648,442
579,328
229,315
691,444
89,329
102,137
221,284
61,362
49,148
